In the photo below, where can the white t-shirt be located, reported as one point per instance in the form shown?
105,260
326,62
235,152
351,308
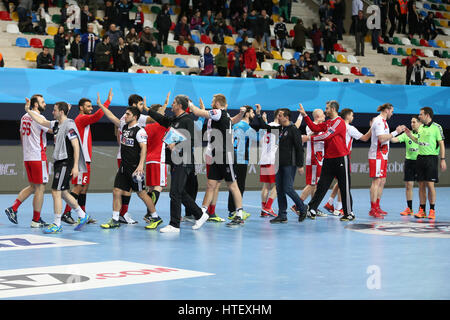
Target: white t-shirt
34,139
379,150
315,151
352,133
269,147
142,121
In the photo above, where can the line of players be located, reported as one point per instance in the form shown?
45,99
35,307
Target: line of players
134,130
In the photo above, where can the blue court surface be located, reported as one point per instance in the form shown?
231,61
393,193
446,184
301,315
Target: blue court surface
395,258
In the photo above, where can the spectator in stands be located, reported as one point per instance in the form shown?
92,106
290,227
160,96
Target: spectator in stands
403,17
42,23
219,29
383,4
206,62
316,36
410,62
114,35
138,22
89,41
357,5
284,12
192,49
413,20
182,29
393,13
163,24
417,74
44,59
121,56
85,18
293,70
103,54
123,9
429,28
339,17
149,43
237,8
301,62
306,74
240,24
445,79
63,12
281,34
375,32
244,40
264,23
132,40
300,36
235,62
24,9
360,33
312,63
261,52
61,40
329,38
111,14
76,51
221,61
281,74
324,11
208,22
252,24
196,22
250,63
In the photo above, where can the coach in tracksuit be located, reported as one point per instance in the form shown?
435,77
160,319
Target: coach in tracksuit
336,163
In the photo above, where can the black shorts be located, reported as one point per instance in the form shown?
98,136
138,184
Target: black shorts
410,172
220,172
427,168
124,180
61,178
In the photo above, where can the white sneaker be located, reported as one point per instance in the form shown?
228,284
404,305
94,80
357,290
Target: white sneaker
169,229
126,219
198,223
188,219
336,212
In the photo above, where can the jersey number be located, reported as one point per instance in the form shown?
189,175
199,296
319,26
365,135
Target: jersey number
26,128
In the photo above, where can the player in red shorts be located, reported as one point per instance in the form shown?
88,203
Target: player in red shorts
34,144
378,156
81,183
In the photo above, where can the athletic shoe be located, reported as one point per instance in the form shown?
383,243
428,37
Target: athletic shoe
199,223
375,213
148,218
237,221
421,214
82,223
432,214
294,209
215,218
112,224
264,214
231,215
67,218
190,218
279,219
407,212
154,223
337,212
245,215
302,215
126,220
381,211
270,211
349,217
169,229
91,221
311,213
11,214
321,214
329,207
40,224
53,228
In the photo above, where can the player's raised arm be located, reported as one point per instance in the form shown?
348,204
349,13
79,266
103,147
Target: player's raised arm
108,112
42,121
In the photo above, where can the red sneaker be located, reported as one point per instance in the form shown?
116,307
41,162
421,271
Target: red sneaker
382,212
270,211
329,207
263,214
375,213
294,208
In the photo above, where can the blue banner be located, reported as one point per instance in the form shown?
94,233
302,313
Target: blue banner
70,86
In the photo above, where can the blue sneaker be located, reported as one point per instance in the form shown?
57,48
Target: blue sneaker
11,214
53,228
82,223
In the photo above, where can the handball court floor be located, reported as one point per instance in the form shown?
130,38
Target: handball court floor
316,259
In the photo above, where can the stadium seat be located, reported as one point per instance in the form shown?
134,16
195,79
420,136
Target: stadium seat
56,19
22,42
408,51
180,63
428,53
205,39
297,55
266,66
442,64
168,49
36,43
415,42
228,40
275,66
167,62
238,39
356,71
141,71
15,16
292,33
338,47
276,55
180,73
420,53
341,58
380,40
401,52
155,9
352,59
395,62
357,81
195,38
70,68
325,79
166,72
438,75
331,58
336,80
433,64
430,75
258,67
424,43
12,28
182,50
433,84
4,15
192,63
49,43
51,30
406,41
447,44
391,50
366,71
344,70
154,71
368,81
426,6
334,70
215,51
433,44
397,41
154,61
145,9
309,46
287,55
31,56
445,54
439,15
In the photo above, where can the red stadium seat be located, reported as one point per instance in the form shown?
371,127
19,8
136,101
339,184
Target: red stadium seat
404,61
36,43
172,27
424,43
141,71
356,71
380,40
338,47
292,33
182,50
420,53
205,39
4,15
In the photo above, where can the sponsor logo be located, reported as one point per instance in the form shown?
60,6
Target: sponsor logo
8,169
406,229
65,278
30,241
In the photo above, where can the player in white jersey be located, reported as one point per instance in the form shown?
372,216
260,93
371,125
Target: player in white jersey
352,134
269,146
34,144
378,156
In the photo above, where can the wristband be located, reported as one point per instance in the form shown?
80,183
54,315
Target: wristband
394,134
442,159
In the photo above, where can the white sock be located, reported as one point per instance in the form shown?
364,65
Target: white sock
116,215
239,212
81,214
57,220
331,201
127,217
154,215
339,206
204,209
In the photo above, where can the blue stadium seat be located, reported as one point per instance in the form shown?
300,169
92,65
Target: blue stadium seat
391,50
366,72
180,63
34,17
238,39
297,55
229,50
275,10
430,75
358,81
423,13
166,72
426,6
433,43
433,64
195,38
22,42
147,1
